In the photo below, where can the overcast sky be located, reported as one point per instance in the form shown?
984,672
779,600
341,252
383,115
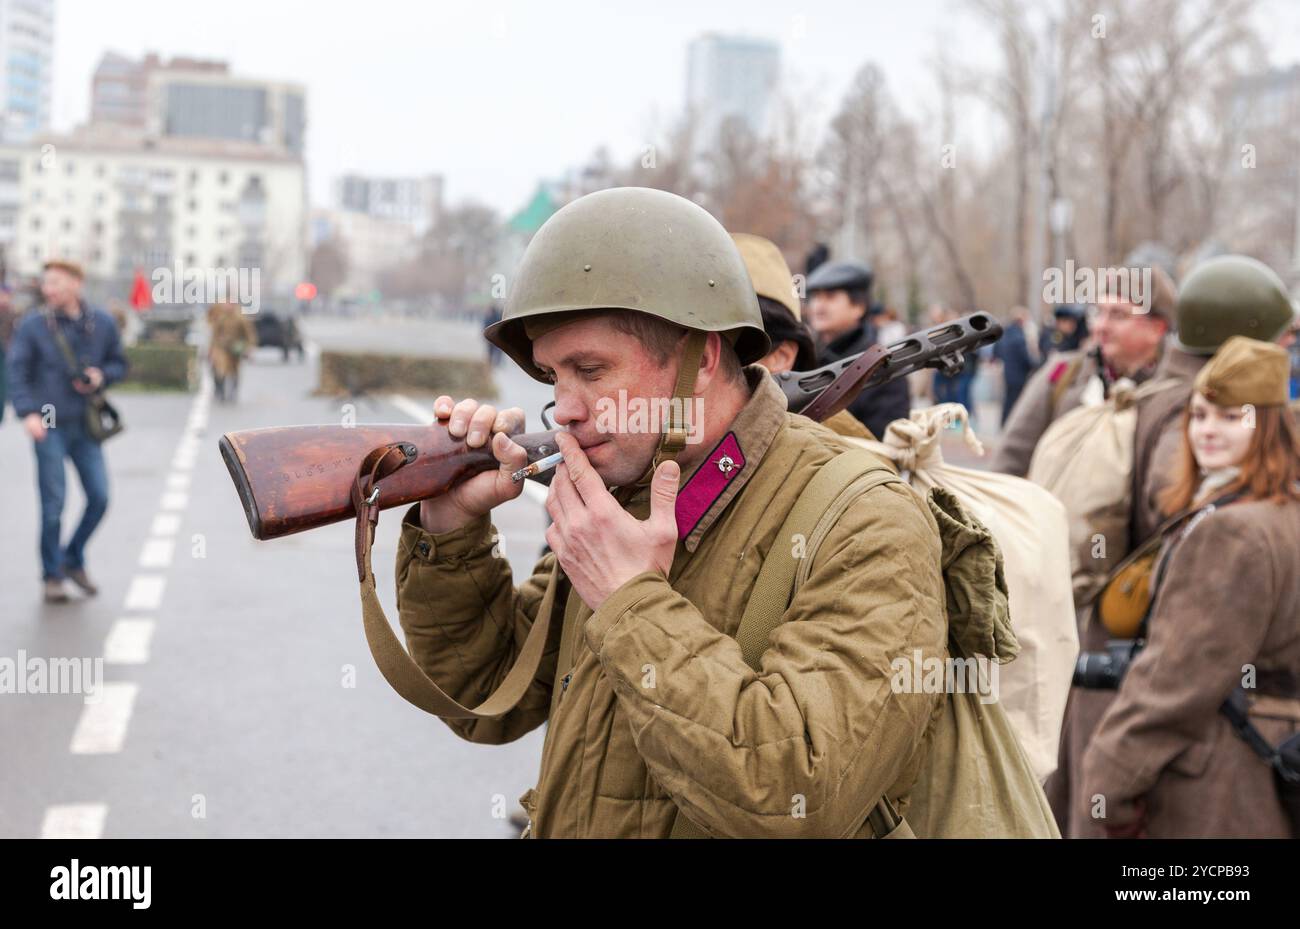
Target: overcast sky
495,96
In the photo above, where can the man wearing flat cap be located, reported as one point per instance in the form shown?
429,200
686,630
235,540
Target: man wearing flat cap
792,343
839,298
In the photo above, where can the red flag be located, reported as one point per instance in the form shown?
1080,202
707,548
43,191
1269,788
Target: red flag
140,296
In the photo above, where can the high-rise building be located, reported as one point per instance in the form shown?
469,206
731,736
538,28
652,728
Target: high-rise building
198,99
414,201
26,63
1267,100
120,86
731,78
213,105
221,106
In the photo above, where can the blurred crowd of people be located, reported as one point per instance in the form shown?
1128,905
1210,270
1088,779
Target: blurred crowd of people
1187,722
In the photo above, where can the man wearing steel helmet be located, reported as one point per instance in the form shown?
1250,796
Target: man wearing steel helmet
627,295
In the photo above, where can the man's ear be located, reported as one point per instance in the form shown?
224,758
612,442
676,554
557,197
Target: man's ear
710,362
783,356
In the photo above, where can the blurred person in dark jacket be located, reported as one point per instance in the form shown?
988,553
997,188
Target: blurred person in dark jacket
49,396
839,295
1016,351
956,388
1067,332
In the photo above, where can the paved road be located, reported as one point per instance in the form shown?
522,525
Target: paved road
225,710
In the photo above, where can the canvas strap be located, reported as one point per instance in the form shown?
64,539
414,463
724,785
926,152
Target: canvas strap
1063,382
677,430
393,660
69,356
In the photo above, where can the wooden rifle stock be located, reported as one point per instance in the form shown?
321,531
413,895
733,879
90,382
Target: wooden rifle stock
295,478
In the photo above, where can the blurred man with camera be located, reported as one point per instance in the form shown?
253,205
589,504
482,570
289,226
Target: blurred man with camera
63,353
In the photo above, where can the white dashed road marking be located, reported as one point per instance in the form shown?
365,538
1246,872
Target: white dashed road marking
128,641
157,553
417,412
103,725
101,730
165,524
74,821
174,500
145,592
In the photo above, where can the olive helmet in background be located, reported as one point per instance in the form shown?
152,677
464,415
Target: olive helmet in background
1231,295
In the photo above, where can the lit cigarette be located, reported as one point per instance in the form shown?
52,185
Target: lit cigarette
538,466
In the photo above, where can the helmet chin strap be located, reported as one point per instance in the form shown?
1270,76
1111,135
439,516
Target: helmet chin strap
675,433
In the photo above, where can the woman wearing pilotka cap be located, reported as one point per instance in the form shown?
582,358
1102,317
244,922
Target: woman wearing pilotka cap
1166,761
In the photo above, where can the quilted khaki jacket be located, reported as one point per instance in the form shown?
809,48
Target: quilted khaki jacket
651,705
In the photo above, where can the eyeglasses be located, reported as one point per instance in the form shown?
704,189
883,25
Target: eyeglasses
1116,312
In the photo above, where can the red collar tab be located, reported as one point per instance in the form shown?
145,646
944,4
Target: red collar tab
707,483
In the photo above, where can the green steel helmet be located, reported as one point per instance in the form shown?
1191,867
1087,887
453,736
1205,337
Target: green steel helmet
1231,295
633,248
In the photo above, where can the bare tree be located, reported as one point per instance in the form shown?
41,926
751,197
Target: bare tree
1011,93
853,153
1153,63
453,260
327,267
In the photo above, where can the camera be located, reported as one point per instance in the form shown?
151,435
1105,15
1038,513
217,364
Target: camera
1105,670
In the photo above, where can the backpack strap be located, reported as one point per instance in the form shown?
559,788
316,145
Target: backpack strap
823,500
836,484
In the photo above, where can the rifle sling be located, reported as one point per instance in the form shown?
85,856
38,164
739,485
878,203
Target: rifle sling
845,388
391,657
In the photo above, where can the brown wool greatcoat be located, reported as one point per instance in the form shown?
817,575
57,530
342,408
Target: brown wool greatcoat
1230,601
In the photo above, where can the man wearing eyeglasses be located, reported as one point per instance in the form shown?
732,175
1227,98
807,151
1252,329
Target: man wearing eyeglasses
1125,342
